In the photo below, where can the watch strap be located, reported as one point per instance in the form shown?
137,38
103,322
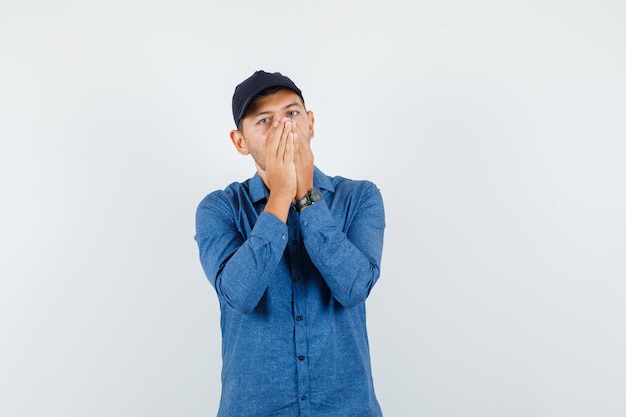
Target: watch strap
311,197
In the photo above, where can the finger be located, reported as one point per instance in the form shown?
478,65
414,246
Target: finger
303,145
300,129
274,139
296,142
289,147
284,136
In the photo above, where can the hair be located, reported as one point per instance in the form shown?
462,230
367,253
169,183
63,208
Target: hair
262,94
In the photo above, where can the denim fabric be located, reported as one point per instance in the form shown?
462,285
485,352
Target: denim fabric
292,298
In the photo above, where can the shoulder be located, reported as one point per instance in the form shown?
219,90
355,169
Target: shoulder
339,183
227,197
356,199
354,194
344,185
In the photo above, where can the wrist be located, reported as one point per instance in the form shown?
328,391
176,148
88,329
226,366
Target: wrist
278,206
303,190
311,197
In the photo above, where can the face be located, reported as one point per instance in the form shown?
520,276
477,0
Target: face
258,123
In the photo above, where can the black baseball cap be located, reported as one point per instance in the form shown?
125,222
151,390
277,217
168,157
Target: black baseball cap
253,85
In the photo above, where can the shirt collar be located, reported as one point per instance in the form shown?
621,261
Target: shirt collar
258,190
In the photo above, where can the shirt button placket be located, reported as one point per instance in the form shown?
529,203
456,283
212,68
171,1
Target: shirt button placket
298,289
301,346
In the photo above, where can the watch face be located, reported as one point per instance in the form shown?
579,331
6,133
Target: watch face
315,195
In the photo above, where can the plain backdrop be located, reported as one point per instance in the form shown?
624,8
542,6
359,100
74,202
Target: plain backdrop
495,130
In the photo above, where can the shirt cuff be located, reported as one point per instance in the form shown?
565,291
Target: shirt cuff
315,217
271,228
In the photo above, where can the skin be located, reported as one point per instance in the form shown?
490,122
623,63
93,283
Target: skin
277,132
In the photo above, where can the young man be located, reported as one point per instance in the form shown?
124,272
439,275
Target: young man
292,254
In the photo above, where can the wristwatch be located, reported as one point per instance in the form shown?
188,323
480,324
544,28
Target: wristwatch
312,197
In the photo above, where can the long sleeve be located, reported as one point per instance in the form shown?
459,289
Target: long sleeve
238,263
347,251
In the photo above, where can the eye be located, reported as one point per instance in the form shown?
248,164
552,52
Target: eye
293,113
264,121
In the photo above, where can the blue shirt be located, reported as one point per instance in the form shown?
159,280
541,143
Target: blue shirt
292,298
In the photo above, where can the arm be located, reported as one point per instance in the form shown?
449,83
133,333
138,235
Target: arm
348,260
238,266
239,269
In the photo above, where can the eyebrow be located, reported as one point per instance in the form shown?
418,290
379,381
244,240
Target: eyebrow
288,106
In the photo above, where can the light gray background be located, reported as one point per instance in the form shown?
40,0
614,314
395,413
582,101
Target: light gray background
495,130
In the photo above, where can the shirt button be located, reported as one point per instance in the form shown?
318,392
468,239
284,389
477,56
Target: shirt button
303,398
299,318
284,237
305,223
300,358
294,242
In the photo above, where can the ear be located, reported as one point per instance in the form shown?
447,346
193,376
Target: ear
311,123
239,141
